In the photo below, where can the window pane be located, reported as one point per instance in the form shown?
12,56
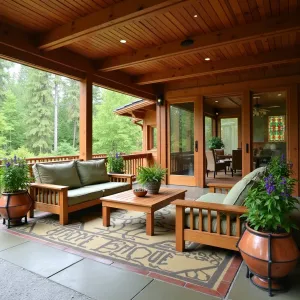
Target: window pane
208,130
182,139
229,134
269,126
154,137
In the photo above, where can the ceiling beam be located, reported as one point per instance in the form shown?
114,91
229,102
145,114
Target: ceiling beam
207,42
281,56
233,101
107,18
18,46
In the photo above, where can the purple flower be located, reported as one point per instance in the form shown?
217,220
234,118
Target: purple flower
117,155
269,184
15,159
282,158
7,164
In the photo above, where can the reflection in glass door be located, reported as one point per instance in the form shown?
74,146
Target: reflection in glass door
182,159
269,126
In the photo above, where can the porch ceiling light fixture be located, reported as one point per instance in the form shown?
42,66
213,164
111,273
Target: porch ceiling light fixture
123,41
160,100
207,58
187,42
195,16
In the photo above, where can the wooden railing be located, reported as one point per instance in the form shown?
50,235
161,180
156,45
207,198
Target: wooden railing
131,162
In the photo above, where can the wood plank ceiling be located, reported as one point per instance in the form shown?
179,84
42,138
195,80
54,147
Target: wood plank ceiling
176,21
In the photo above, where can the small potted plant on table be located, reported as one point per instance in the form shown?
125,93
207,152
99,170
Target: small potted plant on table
267,245
15,202
151,177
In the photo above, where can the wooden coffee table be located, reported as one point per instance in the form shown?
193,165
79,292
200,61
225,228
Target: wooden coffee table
148,204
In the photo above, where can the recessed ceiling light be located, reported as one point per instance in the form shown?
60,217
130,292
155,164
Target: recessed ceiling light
123,41
195,16
216,101
279,95
207,58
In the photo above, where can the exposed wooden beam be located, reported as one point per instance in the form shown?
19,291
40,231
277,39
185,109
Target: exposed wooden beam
208,42
233,101
287,55
19,46
114,15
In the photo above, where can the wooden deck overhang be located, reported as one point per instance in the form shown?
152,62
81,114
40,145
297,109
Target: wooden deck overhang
179,48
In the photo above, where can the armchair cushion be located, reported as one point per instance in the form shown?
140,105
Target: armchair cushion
92,172
257,172
110,188
84,194
58,174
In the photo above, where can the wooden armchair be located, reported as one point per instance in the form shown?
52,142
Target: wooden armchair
212,164
54,198
219,219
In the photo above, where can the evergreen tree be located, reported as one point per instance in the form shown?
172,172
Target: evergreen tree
39,117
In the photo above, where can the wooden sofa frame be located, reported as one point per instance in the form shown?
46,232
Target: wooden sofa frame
208,237
46,196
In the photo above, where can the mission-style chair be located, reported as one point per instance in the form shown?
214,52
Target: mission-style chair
236,163
212,164
219,152
214,218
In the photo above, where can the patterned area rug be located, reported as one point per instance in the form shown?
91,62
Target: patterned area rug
125,241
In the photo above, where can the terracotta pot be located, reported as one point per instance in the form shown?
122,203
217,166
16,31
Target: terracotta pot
153,187
15,206
268,255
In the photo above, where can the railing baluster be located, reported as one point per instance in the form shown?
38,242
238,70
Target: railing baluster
227,224
238,226
200,220
191,218
208,220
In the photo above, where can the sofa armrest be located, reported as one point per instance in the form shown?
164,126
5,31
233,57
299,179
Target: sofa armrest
222,188
234,209
52,187
121,178
49,194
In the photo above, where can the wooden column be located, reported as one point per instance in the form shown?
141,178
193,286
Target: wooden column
293,132
86,119
200,161
247,133
162,149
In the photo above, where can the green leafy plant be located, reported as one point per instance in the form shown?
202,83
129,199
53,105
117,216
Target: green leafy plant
215,143
115,163
270,200
151,174
14,175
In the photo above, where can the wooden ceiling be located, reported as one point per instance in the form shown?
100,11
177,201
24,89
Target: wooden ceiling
236,35
224,102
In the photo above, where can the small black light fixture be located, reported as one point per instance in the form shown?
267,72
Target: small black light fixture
217,113
187,42
160,100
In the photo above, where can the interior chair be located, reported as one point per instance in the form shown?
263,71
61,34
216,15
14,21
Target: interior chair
219,153
212,164
236,163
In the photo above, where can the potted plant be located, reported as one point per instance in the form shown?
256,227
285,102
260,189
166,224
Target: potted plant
15,202
215,143
151,177
115,163
267,245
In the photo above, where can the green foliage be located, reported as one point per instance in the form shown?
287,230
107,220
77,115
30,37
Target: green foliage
22,152
151,174
65,148
215,143
111,131
115,163
270,200
14,176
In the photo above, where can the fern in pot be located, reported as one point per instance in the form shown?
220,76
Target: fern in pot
151,177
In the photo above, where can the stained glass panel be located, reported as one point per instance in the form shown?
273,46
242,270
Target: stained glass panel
276,126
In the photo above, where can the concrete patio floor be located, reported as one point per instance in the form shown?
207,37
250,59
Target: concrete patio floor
32,270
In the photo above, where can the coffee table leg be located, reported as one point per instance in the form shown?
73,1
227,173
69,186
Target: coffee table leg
106,216
150,223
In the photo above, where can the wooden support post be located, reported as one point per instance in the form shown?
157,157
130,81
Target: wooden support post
179,228
63,207
162,149
293,132
247,133
86,118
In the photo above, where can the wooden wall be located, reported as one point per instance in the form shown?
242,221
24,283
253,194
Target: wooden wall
149,121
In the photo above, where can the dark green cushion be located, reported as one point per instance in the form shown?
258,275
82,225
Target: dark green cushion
92,172
59,174
111,188
85,193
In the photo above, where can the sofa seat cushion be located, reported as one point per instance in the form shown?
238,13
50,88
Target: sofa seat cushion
85,193
92,172
110,188
213,224
58,174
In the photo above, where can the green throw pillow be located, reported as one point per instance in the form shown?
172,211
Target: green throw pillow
92,172
58,174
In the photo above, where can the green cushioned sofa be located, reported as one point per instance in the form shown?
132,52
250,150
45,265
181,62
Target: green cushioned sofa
214,218
62,188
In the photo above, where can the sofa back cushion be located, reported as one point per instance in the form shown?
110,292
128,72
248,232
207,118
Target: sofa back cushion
60,174
92,172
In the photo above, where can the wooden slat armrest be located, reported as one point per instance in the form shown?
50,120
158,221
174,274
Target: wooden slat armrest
120,175
211,206
49,186
221,185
